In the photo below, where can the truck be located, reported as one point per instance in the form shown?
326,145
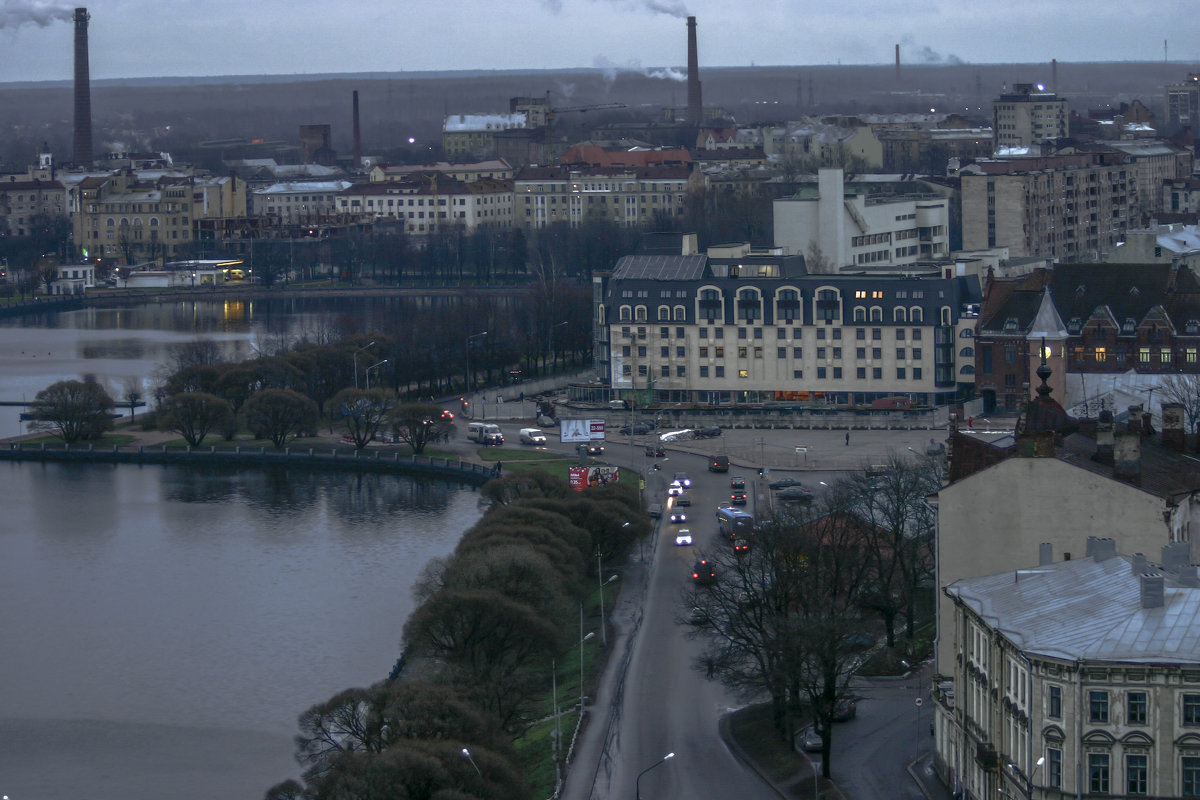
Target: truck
532,436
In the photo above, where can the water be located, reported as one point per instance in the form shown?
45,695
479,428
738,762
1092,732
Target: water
163,628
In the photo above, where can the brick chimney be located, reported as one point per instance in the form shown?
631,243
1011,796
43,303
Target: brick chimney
1173,425
1127,457
1104,438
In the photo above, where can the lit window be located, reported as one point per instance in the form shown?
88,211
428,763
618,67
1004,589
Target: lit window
743,373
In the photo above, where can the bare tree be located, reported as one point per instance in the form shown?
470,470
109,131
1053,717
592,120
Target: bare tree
194,414
418,424
74,409
1183,388
363,412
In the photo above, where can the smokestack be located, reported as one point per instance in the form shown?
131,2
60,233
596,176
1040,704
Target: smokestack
83,92
897,62
357,135
1054,74
695,109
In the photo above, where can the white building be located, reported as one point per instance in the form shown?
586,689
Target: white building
429,204
297,203
881,224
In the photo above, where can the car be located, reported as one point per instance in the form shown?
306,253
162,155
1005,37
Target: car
595,449
682,499
703,573
674,490
637,429
618,405
654,510
709,431
682,479
448,416
784,483
845,709
683,537
656,451
741,547
811,740
738,498
678,517
718,464
796,494
737,482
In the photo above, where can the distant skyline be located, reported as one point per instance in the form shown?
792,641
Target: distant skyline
145,38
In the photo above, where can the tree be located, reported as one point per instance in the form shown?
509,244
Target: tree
279,415
132,394
364,412
1183,388
193,415
75,409
418,424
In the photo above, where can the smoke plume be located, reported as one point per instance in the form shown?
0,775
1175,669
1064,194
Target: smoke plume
672,8
611,70
924,54
15,13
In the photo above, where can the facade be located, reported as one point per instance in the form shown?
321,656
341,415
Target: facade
624,195
297,203
73,279
878,224
1182,105
1027,116
497,169
1181,196
930,150
428,204
1066,207
1076,678
21,200
733,327
468,135
1162,244
1155,163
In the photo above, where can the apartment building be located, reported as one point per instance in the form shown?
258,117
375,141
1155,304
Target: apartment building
1075,678
1181,101
21,200
1027,116
497,169
298,203
1154,163
1072,207
732,327
428,203
861,224
629,196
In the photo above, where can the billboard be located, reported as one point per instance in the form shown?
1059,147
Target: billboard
581,430
585,477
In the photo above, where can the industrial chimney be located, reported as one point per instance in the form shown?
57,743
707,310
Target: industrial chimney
83,92
897,62
695,109
357,135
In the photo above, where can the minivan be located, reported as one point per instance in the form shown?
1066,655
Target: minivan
485,433
718,464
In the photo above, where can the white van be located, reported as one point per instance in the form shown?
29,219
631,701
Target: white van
485,433
532,436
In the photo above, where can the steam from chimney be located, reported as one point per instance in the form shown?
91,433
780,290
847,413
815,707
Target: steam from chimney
15,13
611,71
672,8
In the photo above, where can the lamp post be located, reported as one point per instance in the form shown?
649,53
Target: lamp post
637,785
470,377
367,372
1026,783
355,358
603,583
582,640
552,327
467,755
557,724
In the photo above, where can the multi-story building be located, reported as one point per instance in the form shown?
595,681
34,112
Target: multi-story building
22,200
297,203
929,150
863,224
1068,207
427,204
1154,162
473,135
1163,244
1027,116
1182,105
734,327
1181,196
498,169
1075,678
629,196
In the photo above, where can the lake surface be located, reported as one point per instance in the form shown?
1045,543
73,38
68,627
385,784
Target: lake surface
163,627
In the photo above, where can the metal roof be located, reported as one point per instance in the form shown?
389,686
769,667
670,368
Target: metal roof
661,268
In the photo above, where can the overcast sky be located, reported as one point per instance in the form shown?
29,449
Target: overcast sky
141,38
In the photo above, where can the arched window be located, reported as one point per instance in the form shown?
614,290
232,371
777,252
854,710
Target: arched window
945,315
967,352
860,314
603,315
680,314
876,314
968,369
110,222
749,305
639,313
664,313
154,222
899,315
626,314
915,315
966,333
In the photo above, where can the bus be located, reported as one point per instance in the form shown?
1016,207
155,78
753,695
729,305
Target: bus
734,523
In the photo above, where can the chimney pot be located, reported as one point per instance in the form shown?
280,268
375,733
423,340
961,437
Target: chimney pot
1152,590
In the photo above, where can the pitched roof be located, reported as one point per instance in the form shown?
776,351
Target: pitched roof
661,268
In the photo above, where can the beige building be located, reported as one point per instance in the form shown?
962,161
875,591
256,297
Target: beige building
1074,678
863,224
1027,116
1164,244
629,196
1066,207
428,204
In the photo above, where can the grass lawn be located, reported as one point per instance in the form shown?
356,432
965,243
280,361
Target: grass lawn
753,729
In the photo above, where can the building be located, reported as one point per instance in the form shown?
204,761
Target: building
298,203
1027,116
1073,207
473,135
316,145
1162,244
1182,105
929,150
732,326
73,279
1155,163
628,196
498,169
1181,196
1075,678
428,203
21,201
894,223
826,144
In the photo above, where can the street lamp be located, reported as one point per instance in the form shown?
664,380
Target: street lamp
467,755
367,372
470,377
582,639
355,358
637,785
611,578
552,327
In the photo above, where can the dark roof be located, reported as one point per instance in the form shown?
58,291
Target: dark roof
661,268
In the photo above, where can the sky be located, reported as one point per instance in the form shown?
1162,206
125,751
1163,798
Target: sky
153,38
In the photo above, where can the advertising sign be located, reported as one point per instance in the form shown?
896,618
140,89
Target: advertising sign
581,430
585,477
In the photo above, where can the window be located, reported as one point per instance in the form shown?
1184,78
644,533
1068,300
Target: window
1054,767
781,333
861,373
797,374
876,353
741,333
703,352
719,351
626,370
1164,355
781,352
820,352
860,352
664,333
664,352
860,314
743,373
758,352
1098,773
719,333
1136,767
860,334
899,373
899,353
680,371
720,372
916,354
797,352
837,333
641,351
1054,702
1144,355
1098,706
837,373
643,371
1190,355
877,373
758,333
679,333
1191,776
1191,709
837,352
703,333
1010,354
680,352
916,373
703,372
821,373
876,334
916,334
899,334
665,371
1135,708
743,352
820,333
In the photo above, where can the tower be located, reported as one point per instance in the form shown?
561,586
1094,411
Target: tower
83,92
695,108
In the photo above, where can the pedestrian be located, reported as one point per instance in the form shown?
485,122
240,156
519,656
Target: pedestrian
847,438
499,467
970,422
522,397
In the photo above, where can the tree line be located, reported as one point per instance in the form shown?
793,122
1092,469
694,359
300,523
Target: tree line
492,618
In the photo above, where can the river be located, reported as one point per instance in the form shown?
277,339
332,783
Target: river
163,628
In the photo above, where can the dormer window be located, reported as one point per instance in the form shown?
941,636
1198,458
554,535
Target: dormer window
1075,325
1192,327
1010,325
1129,326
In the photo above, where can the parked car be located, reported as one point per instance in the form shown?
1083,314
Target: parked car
796,494
637,429
703,573
709,431
718,464
654,510
811,740
845,709
683,537
784,483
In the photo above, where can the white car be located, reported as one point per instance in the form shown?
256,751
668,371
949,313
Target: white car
683,537
674,490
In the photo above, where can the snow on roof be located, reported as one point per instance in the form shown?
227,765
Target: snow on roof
310,186
484,122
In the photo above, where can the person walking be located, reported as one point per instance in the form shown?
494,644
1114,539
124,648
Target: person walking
847,438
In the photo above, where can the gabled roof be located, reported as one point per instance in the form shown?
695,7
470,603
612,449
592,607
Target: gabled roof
661,268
